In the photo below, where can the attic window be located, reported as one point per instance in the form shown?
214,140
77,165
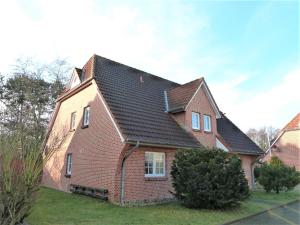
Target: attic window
207,123
195,121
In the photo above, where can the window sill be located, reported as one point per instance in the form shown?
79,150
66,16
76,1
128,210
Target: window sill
208,132
156,178
68,175
196,130
85,126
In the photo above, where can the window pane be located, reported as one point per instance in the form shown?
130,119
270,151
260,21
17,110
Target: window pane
69,164
207,123
159,163
148,163
86,116
154,163
195,120
73,117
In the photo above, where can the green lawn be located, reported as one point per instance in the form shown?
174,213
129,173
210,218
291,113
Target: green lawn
54,207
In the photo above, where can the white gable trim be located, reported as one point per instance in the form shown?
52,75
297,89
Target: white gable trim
109,113
75,80
273,143
220,145
210,98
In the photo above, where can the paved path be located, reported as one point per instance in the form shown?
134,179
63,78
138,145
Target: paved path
284,215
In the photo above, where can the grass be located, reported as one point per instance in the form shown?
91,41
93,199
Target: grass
58,208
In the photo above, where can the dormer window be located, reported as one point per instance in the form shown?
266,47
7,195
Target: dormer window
195,121
207,123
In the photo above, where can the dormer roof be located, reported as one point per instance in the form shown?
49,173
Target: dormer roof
179,98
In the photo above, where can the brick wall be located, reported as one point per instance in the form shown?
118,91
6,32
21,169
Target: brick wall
287,149
95,150
138,188
202,105
247,164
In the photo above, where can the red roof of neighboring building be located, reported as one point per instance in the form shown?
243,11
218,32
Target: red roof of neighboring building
294,123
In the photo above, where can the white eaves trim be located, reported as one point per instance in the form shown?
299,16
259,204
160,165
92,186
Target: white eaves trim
109,113
220,145
210,98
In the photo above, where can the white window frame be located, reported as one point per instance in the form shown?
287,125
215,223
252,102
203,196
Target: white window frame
197,125
69,164
73,121
154,164
86,116
207,126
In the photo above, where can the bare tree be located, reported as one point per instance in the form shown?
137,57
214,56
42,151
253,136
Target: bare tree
263,136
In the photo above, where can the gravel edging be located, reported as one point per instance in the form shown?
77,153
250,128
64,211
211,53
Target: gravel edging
258,213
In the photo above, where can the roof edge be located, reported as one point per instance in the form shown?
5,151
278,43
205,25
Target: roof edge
209,95
149,144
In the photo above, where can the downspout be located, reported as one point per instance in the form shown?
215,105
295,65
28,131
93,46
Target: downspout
252,175
122,189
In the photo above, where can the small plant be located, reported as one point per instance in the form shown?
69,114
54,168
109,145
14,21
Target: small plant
275,176
208,178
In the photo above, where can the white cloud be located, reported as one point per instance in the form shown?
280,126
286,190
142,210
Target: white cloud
275,105
77,29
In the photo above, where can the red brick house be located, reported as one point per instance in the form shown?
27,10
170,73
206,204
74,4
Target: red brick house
124,126
286,145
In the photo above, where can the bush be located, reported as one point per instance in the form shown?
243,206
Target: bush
20,172
256,172
21,166
208,178
275,176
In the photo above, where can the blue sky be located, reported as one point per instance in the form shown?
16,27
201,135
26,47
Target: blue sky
248,51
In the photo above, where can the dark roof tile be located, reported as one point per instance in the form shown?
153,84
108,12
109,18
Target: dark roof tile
136,99
235,138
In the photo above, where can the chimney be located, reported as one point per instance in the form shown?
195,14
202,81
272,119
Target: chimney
141,79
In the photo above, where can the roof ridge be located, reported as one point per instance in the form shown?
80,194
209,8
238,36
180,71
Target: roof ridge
122,64
181,85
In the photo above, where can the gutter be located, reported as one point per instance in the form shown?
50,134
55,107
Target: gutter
122,189
161,145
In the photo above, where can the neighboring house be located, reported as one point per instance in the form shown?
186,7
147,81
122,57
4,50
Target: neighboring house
286,145
124,126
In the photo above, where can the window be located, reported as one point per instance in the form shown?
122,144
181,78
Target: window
73,119
195,121
86,116
69,164
154,164
207,123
